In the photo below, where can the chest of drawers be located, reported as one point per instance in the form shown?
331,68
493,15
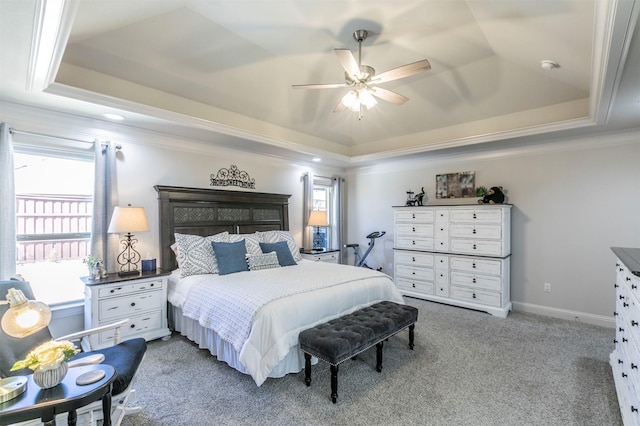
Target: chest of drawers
455,254
142,299
625,358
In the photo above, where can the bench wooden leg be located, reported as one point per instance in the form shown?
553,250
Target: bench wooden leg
334,383
411,328
379,356
307,369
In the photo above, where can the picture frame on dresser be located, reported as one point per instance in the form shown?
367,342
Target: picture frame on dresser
455,254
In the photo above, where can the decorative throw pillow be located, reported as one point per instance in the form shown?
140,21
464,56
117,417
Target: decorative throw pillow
195,255
251,241
277,236
257,262
282,251
230,257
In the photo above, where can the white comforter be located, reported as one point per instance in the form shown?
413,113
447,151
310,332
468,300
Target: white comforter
261,312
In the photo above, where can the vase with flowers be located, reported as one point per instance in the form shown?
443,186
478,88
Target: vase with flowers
48,362
94,264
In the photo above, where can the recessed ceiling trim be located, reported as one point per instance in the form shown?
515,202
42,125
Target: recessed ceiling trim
53,21
615,21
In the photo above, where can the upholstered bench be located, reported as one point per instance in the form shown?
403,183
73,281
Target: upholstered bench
345,337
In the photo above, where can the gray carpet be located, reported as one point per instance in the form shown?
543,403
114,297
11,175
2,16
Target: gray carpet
468,368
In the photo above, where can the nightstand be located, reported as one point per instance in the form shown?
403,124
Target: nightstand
329,256
142,298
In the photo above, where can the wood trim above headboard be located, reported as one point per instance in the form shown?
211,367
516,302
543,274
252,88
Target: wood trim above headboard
206,212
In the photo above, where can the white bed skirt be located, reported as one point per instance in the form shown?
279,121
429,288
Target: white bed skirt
223,350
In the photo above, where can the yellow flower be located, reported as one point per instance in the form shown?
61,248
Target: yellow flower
47,356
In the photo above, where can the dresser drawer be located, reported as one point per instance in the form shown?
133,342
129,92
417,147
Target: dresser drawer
476,231
415,229
419,215
480,266
487,282
477,247
482,215
137,324
414,243
476,296
414,273
417,286
413,258
127,306
129,288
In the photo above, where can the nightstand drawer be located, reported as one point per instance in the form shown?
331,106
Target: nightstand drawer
123,307
129,288
136,325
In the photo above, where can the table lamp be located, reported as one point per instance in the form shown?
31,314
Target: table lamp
317,219
128,219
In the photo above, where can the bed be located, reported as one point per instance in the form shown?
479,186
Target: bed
250,315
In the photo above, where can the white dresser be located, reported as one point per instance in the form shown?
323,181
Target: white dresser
458,255
141,298
625,358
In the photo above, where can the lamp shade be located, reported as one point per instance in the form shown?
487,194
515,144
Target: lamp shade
128,219
318,218
24,317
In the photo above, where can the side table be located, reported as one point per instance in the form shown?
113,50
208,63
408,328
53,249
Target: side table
66,397
329,256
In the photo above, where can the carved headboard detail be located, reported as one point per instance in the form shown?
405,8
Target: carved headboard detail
206,212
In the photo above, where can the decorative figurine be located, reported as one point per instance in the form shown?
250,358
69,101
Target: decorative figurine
415,200
495,196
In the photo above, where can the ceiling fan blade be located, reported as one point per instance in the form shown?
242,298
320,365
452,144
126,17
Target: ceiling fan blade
402,72
388,95
348,62
340,107
319,86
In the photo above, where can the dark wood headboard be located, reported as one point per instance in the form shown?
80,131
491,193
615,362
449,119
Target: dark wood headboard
206,212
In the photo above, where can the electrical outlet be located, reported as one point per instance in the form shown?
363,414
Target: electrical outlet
547,287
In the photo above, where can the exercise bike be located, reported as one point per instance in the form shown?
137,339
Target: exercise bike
359,260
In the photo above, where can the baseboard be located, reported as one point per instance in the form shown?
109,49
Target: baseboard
600,320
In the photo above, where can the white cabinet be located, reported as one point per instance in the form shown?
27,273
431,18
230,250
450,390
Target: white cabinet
329,256
455,254
142,299
625,358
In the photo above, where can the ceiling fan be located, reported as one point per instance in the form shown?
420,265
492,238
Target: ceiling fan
363,81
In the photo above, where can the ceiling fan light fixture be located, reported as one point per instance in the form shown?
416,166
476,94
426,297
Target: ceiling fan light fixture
350,100
367,99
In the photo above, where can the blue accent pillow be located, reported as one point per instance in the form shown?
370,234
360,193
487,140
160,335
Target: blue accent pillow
285,258
230,257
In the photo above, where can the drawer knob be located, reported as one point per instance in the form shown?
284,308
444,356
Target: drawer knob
615,285
413,259
620,329
474,230
474,216
620,361
625,305
615,313
624,340
634,323
152,284
474,265
474,246
133,303
474,295
633,286
413,285
132,326
624,375
474,280
413,229
634,366
634,409
413,216
621,297
413,242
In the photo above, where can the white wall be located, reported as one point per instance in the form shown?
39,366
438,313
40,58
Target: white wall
573,200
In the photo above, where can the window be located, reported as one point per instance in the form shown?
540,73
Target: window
54,197
322,202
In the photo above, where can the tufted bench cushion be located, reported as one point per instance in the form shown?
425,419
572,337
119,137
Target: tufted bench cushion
345,337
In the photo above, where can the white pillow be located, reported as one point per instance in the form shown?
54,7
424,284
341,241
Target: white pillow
195,253
277,236
257,262
251,242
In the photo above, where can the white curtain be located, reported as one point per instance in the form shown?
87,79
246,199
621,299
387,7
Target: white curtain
105,198
338,216
8,203
307,207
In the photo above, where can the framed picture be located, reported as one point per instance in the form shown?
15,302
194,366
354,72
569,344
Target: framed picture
456,185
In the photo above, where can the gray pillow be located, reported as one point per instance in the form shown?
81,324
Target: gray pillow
285,258
230,257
